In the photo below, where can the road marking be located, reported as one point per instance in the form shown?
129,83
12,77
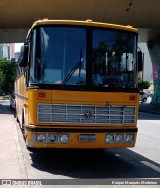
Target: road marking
154,167
154,122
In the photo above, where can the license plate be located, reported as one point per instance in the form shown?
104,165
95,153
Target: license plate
87,138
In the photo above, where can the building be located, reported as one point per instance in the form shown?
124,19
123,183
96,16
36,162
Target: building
11,50
7,51
17,54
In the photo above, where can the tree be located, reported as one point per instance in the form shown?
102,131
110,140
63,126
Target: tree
1,78
143,85
7,75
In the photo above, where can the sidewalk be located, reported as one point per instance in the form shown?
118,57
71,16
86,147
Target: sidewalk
150,108
11,157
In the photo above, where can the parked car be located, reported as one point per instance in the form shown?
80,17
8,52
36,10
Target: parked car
143,96
152,94
12,102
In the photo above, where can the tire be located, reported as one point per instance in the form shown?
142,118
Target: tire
145,100
17,119
23,122
30,149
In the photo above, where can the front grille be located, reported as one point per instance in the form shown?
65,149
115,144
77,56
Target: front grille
85,114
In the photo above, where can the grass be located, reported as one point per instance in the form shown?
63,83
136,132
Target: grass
5,97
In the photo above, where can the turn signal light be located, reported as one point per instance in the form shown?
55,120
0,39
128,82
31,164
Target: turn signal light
42,95
132,97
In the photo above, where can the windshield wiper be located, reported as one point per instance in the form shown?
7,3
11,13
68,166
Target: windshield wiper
78,64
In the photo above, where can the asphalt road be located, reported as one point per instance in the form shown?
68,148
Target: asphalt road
142,161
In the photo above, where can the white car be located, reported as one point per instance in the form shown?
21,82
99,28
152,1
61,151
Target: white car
143,96
12,103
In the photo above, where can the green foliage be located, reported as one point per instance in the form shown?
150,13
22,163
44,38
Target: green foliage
143,85
1,78
7,76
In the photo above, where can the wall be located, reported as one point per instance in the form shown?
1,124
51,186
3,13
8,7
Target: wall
147,70
154,51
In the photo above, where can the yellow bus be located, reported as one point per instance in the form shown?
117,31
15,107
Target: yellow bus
76,85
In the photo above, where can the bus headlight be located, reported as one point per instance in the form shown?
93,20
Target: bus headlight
41,137
53,138
109,138
119,138
64,138
129,138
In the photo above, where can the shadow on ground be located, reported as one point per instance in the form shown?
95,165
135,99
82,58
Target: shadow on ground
104,163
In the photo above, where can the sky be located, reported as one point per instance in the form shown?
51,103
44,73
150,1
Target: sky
18,47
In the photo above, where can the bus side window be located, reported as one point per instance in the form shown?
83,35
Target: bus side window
26,75
23,59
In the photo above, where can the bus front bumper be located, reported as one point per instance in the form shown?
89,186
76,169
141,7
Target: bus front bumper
80,138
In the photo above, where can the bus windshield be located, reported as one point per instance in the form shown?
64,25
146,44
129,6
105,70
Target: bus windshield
83,57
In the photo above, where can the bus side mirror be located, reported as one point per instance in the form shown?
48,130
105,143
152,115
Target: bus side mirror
140,61
23,58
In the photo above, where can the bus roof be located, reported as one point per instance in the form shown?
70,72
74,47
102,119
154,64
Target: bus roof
84,23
